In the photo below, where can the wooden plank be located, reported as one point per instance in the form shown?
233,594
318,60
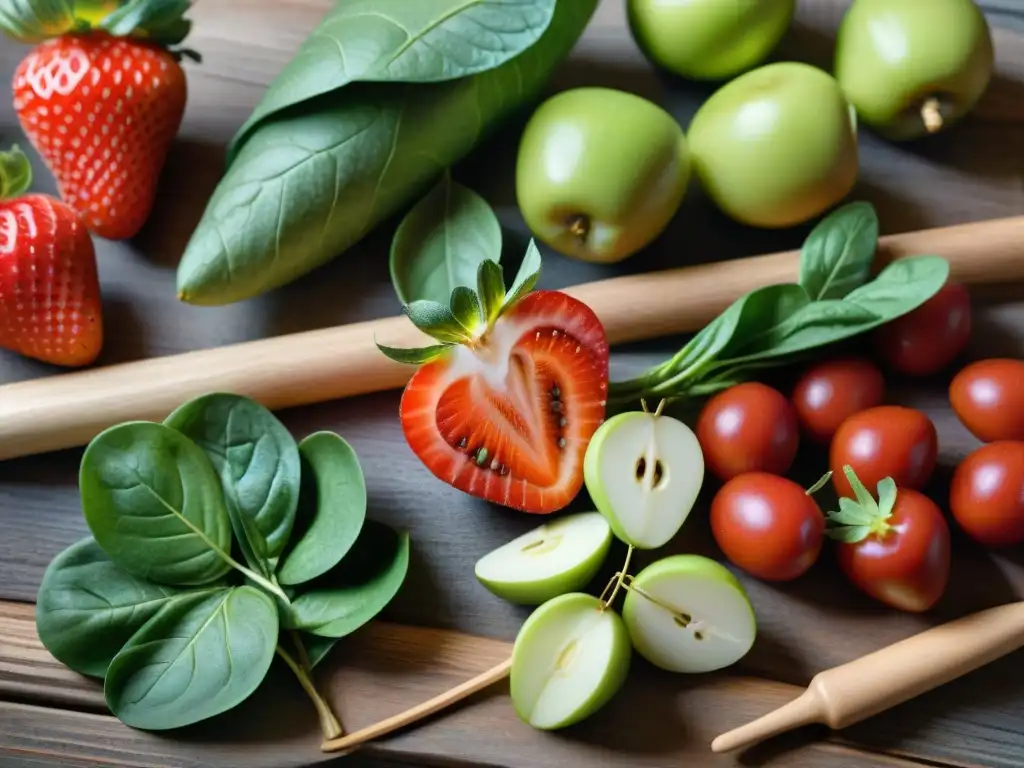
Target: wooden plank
658,720
972,173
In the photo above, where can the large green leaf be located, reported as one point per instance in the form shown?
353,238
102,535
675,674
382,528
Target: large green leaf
154,504
258,463
87,608
404,42
309,182
441,243
358,589
332,508
197,657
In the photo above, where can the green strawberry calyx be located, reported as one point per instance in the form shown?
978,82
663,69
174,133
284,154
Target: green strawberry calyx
161,22
15,174
469,315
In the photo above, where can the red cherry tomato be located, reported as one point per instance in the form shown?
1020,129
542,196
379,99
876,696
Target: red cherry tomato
904,560
926,340
885,441
987,494
830,392
767,525
988,397
748,428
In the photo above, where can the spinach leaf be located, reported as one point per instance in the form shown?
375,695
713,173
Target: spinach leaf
332,508
200,655
87,608
837,255
317,647
362,585
399,41
308,183
441,242
898,289
153,503
746,317
258,464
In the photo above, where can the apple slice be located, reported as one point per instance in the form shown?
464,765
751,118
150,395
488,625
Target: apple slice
643,472
688,613
555,558
569,659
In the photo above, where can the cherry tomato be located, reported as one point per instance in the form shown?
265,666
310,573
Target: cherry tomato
767,525
830,392
926,340
748,428
885,441
988,397
903,561
987,494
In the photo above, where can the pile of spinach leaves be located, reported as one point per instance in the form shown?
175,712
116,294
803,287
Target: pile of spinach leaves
217,543
382,97
835,298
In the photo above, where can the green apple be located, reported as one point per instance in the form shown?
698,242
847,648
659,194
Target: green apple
708,39
643,472
558,557
600,173
777,146
570,658
688,613
912,68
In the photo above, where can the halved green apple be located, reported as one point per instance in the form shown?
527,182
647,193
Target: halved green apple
570,658
688,613
555,558
643,472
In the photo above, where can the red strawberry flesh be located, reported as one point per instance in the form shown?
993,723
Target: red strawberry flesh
510,421
102,111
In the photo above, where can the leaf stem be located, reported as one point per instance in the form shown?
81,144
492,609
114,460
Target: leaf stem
271,587
301,650
329,724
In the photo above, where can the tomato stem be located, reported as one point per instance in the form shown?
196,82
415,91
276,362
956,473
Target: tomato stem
819,484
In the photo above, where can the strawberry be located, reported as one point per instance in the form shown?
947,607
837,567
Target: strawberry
102,104
50,306
504,406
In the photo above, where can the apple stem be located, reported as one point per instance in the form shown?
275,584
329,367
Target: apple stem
579,225
660,408
931,113
684,619
617,579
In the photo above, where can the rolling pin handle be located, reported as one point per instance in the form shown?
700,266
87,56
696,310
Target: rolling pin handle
805,709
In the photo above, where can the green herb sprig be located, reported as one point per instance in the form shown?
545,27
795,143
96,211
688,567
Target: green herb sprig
156,601
835,299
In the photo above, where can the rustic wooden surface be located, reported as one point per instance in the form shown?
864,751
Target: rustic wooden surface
49,716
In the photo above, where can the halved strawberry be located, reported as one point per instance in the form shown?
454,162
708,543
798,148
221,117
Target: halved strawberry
505,406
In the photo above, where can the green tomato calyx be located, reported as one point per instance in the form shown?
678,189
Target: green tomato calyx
470,315
856,519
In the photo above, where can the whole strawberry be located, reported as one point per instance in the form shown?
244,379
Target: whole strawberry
103,103
50,306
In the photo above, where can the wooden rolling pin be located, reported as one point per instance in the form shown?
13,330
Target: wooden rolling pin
315,366
851,692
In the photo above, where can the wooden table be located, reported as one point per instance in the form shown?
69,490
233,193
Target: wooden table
444,627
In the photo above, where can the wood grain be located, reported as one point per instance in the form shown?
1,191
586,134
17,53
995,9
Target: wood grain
972,173
378,672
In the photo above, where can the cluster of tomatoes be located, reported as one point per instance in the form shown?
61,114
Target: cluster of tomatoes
895,550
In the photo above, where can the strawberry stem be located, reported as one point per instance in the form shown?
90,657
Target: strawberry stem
159,21
32,21
15,174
